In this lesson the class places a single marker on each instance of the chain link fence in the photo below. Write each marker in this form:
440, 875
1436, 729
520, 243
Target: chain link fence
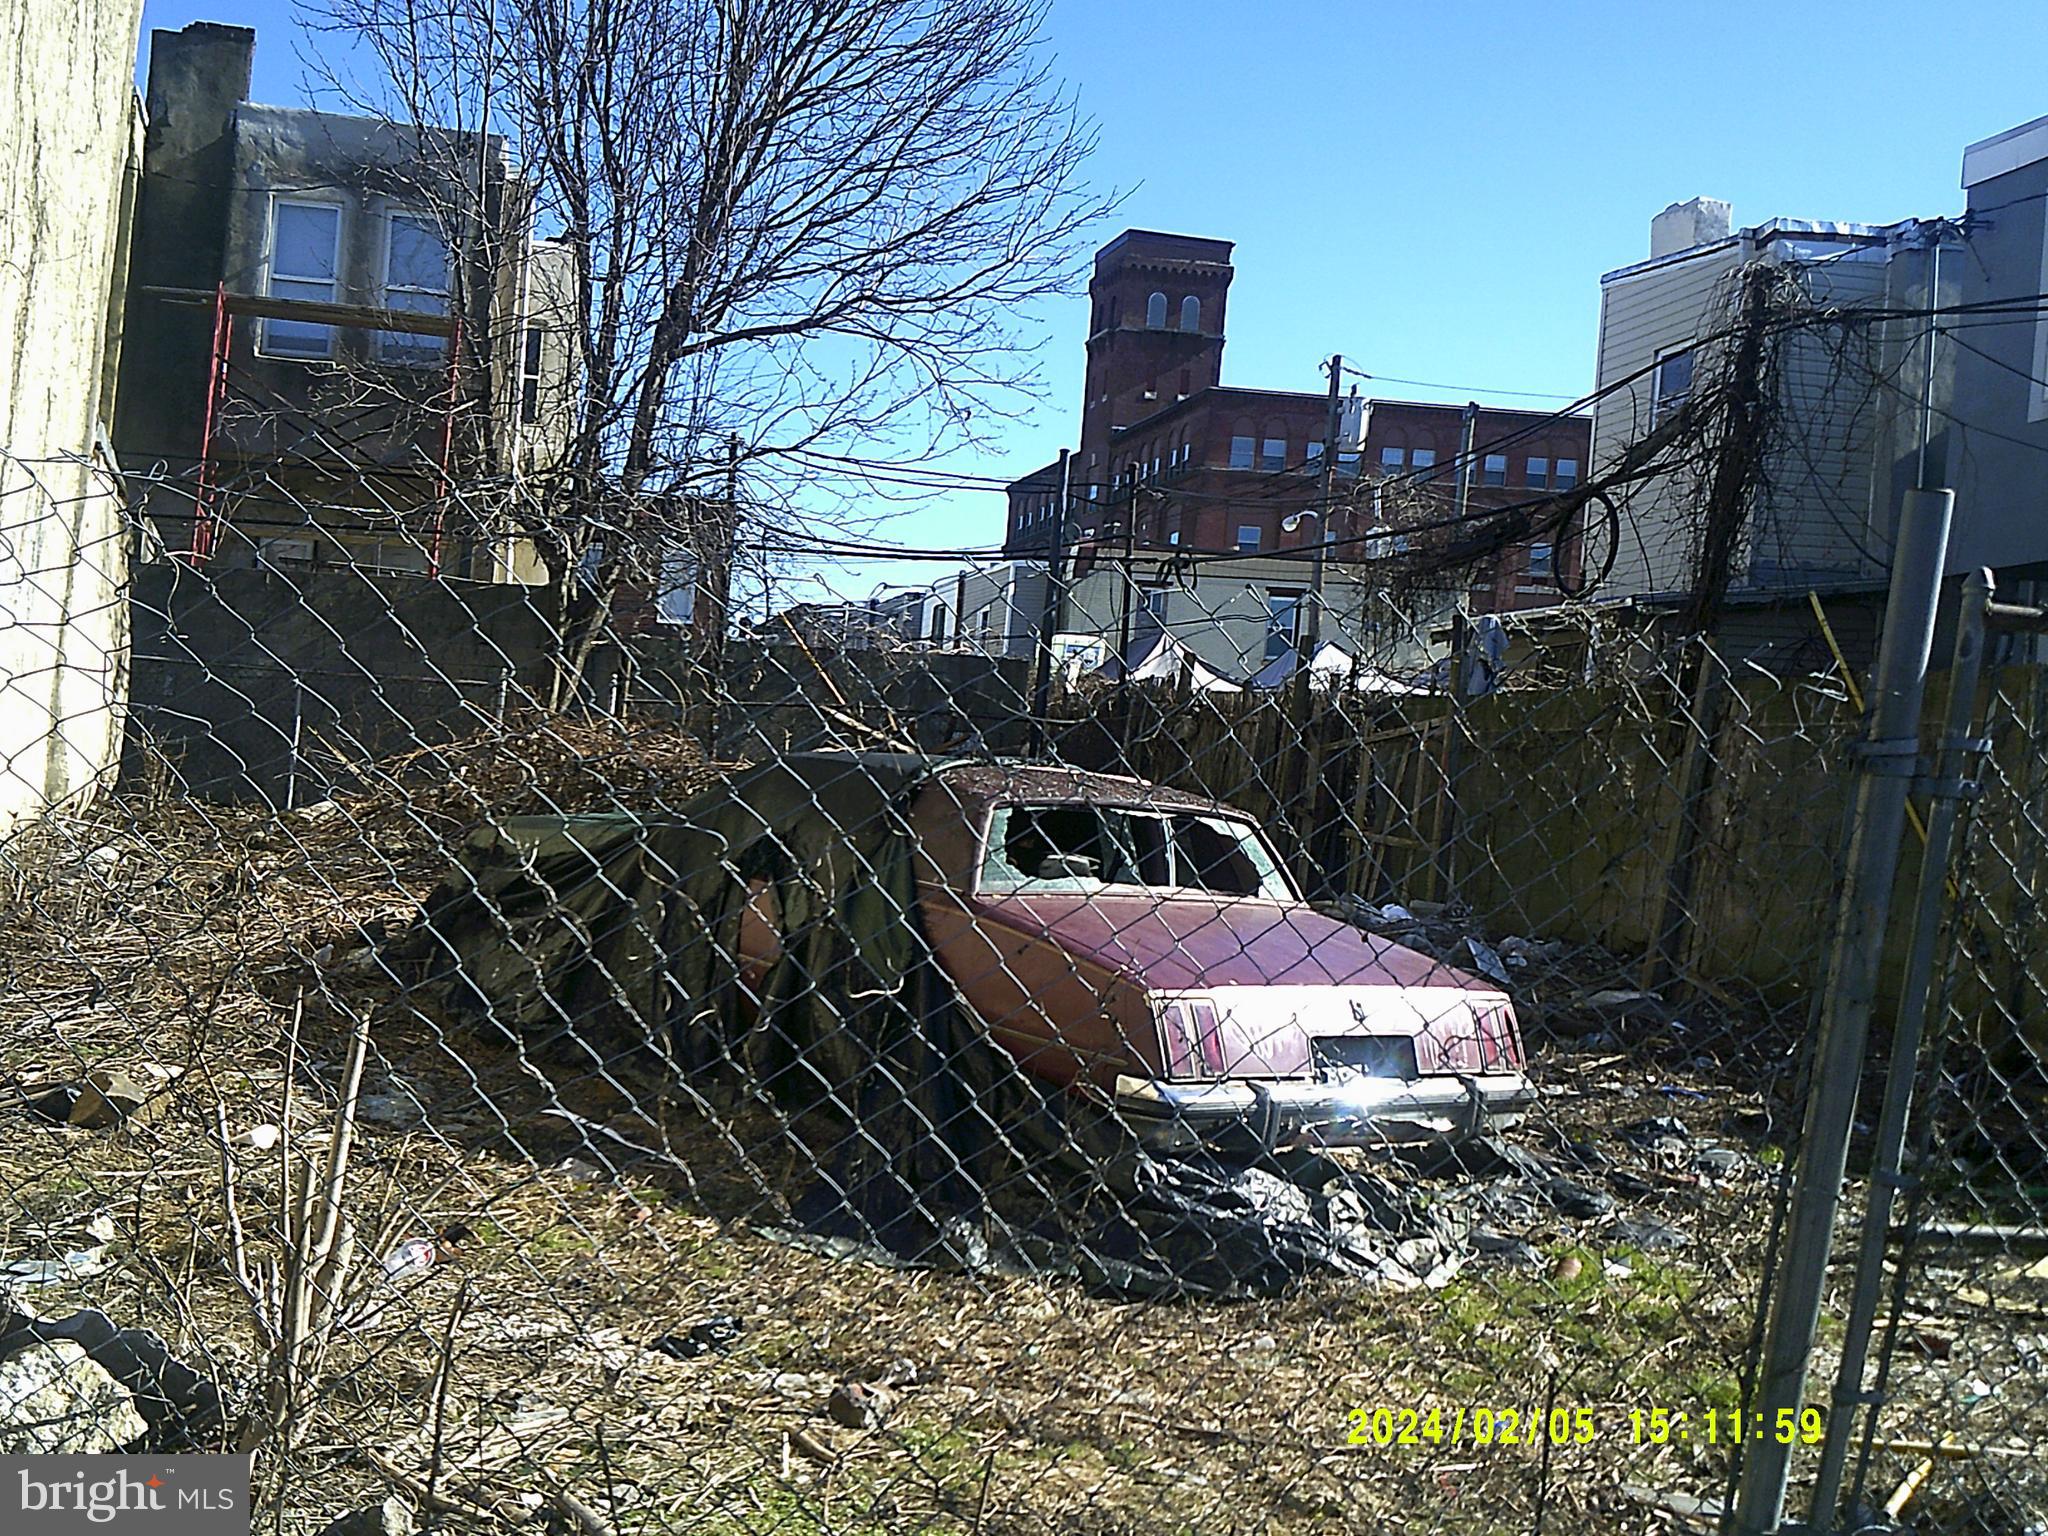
816, 1089
1953, 1340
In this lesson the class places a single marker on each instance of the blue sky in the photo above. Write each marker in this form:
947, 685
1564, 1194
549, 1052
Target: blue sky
1433, 187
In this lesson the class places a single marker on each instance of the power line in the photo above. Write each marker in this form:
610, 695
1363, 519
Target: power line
1462, 389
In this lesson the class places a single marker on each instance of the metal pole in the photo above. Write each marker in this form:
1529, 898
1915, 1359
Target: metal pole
1467, 436
1123, 622
1933, 332
1914, 996
1049, 613
1310, 636
1885, 761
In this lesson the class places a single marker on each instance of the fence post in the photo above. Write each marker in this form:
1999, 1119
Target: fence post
1915, 994
1885, 760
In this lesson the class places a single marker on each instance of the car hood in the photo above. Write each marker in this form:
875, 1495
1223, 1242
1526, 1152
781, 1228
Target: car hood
1170, 943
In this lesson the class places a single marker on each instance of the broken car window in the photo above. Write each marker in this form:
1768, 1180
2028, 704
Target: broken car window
1085, 848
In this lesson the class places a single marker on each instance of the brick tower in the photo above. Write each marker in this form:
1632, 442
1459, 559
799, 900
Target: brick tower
1155, 333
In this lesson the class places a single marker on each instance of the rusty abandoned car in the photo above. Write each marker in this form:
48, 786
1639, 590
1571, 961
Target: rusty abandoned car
1122, 942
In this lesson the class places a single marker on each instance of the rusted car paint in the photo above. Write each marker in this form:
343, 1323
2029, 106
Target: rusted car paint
1195, 1010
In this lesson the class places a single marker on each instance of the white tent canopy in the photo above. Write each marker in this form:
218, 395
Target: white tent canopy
1169, 661
1333, 667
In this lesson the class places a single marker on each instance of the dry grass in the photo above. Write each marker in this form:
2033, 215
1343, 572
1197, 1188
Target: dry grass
519, 1371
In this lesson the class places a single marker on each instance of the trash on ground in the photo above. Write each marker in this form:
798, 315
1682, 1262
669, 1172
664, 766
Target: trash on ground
79, 1264
715, 1335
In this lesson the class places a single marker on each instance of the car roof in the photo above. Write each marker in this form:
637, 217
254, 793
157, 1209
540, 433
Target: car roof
993, 779
1009, 780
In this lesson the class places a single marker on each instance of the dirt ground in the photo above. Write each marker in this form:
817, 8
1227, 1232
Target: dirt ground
586, 1213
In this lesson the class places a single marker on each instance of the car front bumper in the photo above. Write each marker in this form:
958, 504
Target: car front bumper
1329, 1111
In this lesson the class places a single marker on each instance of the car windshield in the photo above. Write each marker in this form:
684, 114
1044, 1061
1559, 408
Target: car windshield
1088, 848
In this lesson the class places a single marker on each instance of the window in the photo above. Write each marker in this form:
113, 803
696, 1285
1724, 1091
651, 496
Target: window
1247, 537
1241, 451
1155, 603
529, 376
1273, 453
305, 250
1670, 385
1283, 622
1077, 847
1393, 458
1155, 312
1312, 454
1496, 470
1347, 464
416, 281
1173, 536
1423, 458
1567, 474
1191, 313
1542, 560
1536, 474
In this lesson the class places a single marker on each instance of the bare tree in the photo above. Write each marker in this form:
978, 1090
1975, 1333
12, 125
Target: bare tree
797, 223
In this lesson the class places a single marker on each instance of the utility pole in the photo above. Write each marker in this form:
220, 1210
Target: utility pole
1123, 628
1468, 433
1049, 612
1309, 632
1123, 623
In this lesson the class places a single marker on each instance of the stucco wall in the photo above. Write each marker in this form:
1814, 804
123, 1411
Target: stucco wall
1220, 611
69, 151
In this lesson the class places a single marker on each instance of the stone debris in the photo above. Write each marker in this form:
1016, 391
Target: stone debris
180, 1408
857, 1405
133, 1094
54, 1399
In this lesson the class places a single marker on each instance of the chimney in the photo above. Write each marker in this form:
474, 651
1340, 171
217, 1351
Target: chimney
1682, 226
197, 77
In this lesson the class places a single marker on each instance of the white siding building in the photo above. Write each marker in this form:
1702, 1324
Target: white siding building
1847, 427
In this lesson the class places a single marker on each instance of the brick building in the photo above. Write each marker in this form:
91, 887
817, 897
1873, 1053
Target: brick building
1206, 467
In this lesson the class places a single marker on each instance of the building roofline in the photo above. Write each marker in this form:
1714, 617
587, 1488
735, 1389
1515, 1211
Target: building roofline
1165, 234
1296, 396
2005, 152
1764, 234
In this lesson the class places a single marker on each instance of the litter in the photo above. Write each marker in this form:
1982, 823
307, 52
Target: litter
1488, 960
81, 1264
715, 1335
